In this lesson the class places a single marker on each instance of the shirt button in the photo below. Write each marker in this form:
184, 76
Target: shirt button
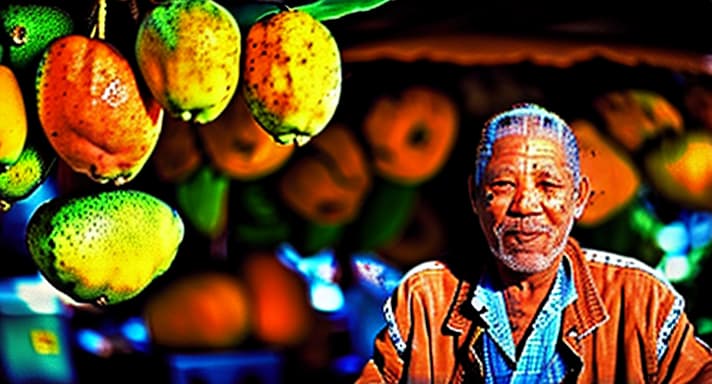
572, 333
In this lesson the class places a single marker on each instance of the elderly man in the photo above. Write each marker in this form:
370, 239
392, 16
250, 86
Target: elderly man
542, 309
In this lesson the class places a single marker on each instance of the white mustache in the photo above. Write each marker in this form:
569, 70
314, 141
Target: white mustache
526, 225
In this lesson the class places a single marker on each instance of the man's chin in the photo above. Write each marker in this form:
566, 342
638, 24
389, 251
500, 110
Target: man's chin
525, 261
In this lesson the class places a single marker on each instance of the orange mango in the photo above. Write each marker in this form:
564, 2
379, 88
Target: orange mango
239, 147
92, 112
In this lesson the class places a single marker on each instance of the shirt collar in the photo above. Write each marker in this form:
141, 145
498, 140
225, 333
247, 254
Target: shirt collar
488, 301
584, 314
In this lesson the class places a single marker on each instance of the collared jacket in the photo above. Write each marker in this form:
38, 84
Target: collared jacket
627, 326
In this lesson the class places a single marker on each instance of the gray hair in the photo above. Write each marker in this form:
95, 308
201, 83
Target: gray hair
527, 119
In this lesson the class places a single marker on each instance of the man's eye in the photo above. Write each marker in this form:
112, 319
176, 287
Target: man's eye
501, 185
549, 185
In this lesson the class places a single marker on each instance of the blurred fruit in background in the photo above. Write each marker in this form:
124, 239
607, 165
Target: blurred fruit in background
328, 183
176, 155
612, 174
239, 147
384, 214
680, 169
634, 116
203, 200
281, 312
200, 311
422, 238
411, 135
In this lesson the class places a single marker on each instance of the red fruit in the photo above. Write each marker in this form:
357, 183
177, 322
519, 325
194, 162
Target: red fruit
92, 112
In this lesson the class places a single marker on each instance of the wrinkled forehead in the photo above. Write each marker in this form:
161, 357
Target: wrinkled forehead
529, 147
527, 122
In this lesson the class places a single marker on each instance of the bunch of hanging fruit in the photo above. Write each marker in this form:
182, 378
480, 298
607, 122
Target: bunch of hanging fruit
95, 98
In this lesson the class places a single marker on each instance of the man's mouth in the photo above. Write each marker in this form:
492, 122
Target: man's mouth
525, 237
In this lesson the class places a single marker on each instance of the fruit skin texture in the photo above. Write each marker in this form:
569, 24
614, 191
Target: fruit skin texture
23, 177
106, 247
13, 129
30, 29
188, 52
292, 75
92, 112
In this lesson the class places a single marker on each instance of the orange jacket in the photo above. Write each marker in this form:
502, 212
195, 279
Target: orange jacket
627, 326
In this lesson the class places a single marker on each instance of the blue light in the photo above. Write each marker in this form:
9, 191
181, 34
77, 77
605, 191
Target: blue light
700, 224
348, 364
93, 342
673, 238
374, 274
319, 266
326, 297
135, 330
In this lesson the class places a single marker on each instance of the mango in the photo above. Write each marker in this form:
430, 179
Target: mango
29, 29
21, 179
104, 248
188, 51
239, 147
92, 111
292, 75
13, 129
177, 155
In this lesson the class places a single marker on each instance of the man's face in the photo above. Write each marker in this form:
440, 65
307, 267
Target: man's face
527, 202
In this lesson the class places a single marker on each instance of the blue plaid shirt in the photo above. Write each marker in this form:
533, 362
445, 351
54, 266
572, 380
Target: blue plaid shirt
540, 361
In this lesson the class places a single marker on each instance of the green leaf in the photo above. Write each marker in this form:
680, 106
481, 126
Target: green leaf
248, 14
203, 198
334, 9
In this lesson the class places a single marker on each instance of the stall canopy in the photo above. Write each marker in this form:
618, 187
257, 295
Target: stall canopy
674, 35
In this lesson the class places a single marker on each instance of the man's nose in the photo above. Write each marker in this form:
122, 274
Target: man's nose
526, 201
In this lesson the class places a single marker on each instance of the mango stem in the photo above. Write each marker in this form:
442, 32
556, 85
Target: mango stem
101, 21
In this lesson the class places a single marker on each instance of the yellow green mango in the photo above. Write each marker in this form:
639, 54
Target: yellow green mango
188, 51
24, 176
13, 128
106, 247
292, 75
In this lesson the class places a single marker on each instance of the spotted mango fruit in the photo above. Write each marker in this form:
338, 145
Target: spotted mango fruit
20, 179
13, 129
106, 247
292, 75
29, 29
92, 111
188, 51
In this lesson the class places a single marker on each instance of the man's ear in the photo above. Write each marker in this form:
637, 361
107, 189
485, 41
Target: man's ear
584, 192
472, 193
